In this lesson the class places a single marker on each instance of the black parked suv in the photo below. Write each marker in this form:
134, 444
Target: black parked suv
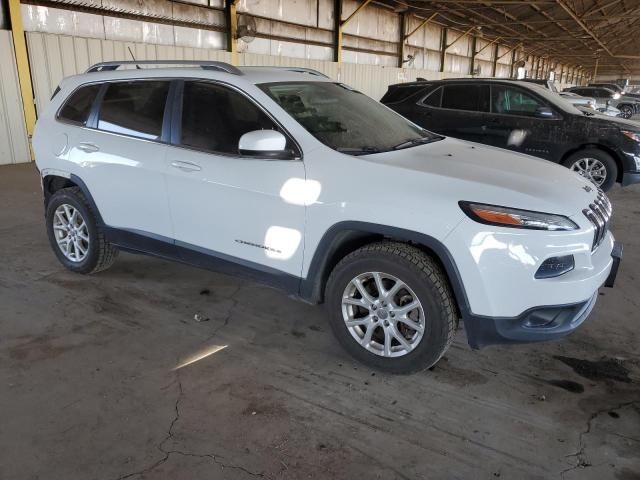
524, 118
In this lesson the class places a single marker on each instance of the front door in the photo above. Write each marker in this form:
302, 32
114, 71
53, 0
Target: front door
523, 122
244, 209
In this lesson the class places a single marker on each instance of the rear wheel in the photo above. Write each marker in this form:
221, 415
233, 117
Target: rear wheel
626, 110
595, 165
75, 237
391, 308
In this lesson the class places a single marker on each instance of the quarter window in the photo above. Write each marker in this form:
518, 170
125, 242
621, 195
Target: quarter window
214, 117
513, 101
79, 105
474, 98
134, 108
434, 99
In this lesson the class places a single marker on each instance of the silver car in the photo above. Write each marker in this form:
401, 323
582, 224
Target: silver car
578, 100
605, 97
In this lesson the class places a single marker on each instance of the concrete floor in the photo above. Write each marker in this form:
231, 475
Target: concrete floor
89, 388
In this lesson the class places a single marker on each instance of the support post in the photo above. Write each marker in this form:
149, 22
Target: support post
513, 61
494, 63
232, 29
473, 55
339, 24
595, 70
24, 72
337, 31
443, 47
401, 47
561, 73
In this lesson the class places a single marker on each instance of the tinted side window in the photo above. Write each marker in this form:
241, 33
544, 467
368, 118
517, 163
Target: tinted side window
215, 117
603, 92
434, 99
79, 105
397, 93
134, 108
473, 98
513, 101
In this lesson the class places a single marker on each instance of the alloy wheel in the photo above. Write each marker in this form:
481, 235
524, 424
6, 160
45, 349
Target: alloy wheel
71, 233
592, 169
383, 314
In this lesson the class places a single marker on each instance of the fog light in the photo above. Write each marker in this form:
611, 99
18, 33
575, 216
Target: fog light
555, 266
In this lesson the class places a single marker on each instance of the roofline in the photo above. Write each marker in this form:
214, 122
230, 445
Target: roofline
206, 65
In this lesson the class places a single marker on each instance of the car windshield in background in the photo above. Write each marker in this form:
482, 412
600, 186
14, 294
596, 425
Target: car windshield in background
344, 119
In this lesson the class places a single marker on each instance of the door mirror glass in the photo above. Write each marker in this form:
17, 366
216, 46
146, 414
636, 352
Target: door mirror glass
264, 143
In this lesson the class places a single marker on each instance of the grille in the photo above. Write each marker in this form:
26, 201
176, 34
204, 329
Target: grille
599, 214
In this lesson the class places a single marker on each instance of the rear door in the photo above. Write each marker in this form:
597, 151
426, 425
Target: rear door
120, 154
457, 110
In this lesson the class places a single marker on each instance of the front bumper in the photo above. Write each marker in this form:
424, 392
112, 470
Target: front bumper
537, 324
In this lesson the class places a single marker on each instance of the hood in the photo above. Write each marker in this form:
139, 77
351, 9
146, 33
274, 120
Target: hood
618, 122
494, 176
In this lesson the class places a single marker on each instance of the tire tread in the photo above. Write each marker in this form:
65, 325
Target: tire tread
107, 253
426, 266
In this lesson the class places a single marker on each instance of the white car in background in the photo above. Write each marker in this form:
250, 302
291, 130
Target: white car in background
578, 100
287, 177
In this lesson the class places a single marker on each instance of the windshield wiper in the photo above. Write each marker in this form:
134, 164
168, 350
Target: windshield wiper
358, 150
416, 141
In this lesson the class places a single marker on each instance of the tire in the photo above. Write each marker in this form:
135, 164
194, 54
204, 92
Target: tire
425, 283
627, 111
582, 160
99, 253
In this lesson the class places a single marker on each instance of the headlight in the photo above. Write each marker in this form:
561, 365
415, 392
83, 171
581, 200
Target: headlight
616, 96
515, 218
635, 136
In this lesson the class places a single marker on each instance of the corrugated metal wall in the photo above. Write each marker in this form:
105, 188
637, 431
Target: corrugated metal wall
14, 147
53, 57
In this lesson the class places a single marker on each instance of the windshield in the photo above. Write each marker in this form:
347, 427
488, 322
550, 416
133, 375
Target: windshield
345, 119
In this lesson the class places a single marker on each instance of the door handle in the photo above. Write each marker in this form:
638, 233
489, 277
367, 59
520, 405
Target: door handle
88, 147
186, 166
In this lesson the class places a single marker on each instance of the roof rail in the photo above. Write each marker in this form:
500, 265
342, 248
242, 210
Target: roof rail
206, 65
310, 71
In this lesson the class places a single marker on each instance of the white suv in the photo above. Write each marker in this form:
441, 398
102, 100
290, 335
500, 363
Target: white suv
298, 181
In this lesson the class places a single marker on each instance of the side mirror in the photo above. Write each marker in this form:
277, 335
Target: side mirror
264, 143
544, 112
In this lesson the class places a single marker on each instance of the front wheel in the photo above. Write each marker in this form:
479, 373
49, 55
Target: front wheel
390, 306
595, 165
